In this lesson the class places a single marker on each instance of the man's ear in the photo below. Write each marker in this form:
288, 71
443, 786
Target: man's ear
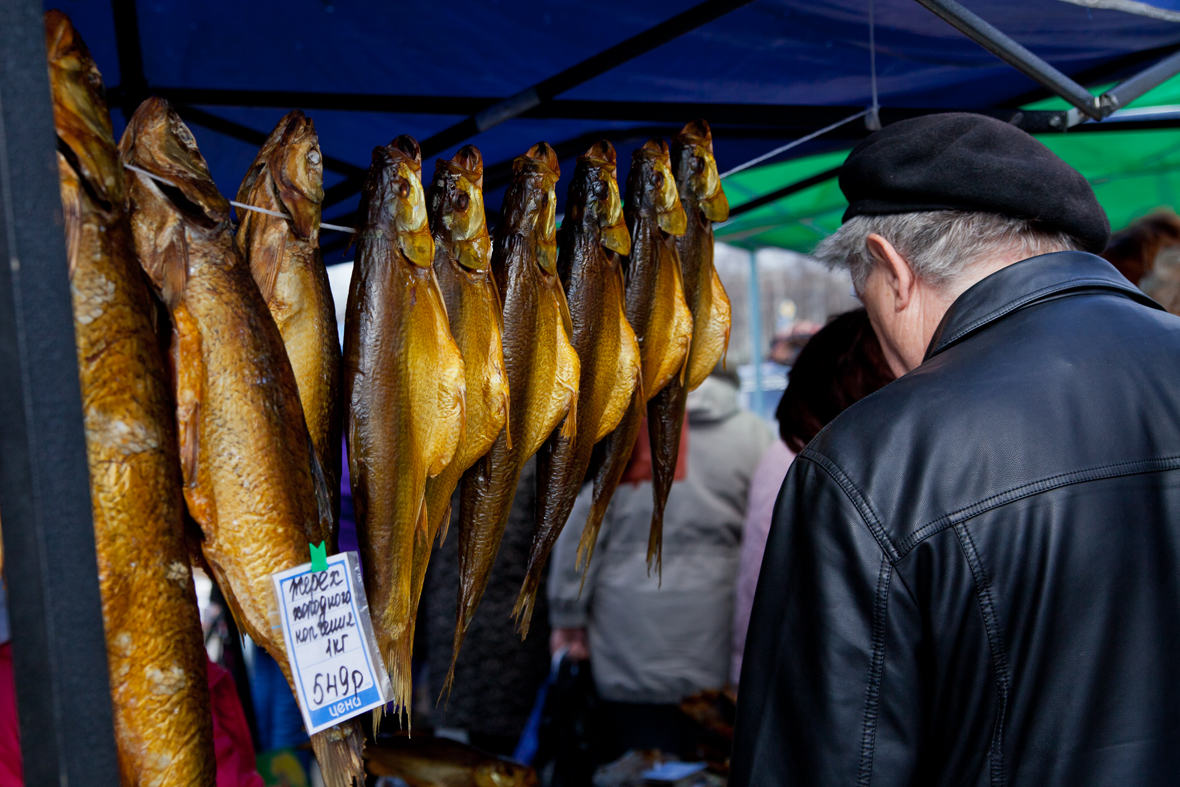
895, 269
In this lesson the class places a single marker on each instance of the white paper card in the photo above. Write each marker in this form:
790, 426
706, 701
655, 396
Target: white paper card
330, 644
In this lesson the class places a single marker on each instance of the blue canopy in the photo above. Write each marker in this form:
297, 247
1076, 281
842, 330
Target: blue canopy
458, 57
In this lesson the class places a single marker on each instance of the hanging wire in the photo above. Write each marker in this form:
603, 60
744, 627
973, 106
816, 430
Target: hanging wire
795, 143
873, 119
236, 204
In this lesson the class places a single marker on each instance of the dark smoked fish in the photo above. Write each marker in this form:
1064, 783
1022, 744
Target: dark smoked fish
155, 652
245, 455
593, 234
656, 311
541, 364
284, 256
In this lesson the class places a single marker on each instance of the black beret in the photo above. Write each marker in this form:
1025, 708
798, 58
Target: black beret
961, 161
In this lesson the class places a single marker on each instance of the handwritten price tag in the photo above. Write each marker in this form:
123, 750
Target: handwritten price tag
330, 644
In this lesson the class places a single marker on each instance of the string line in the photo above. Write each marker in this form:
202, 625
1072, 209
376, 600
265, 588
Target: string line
795, 143
235, 203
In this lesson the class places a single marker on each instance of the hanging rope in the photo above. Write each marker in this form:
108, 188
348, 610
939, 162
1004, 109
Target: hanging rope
236, 204
795, 143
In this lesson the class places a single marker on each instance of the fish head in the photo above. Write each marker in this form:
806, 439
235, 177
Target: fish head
158, 141
297, 169
696, 170
80, 110
594, 197
393, 205
531, 201
455, 206
651, 188
502, 773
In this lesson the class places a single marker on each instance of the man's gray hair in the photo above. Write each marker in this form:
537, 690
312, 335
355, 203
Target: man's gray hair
940, 245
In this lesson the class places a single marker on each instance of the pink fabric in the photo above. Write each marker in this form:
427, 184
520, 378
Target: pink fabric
10, 765
764, 489
231, 733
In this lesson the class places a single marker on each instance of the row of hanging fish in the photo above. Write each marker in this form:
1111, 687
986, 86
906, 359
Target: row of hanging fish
464, 355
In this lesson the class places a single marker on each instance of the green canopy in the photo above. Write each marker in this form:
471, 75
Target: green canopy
1133, 173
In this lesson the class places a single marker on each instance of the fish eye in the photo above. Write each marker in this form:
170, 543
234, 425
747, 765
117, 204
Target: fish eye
698, 164
403, 189
657, 179
313, 156
600, 189
462, 201
545, 200
184, 135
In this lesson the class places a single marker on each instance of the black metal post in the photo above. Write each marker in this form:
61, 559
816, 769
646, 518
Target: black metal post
1015, 55
1127, 91
59, 653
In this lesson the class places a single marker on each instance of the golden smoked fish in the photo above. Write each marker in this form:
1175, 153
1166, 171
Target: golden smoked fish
704, 202
542, 367
245, 454
404, 388
656, 311
284, 256
593, 234
462, 265
155, 651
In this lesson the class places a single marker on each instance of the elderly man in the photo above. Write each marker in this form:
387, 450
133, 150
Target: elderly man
973, 576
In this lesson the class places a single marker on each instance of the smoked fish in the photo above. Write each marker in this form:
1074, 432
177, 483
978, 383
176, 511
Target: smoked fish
462, 265
439, 762
284, 256
704, 202
657, 311
593, 234
542, 367
245, 455
155, 651
404, 388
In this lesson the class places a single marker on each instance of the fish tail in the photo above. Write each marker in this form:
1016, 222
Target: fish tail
523, 611
569, 428
340, 753
665, 422
445, 526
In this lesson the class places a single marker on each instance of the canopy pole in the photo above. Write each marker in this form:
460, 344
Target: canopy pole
1130, 89
58, 648
756, 333
1015, 55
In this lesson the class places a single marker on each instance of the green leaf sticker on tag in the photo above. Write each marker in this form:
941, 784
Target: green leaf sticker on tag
319, 557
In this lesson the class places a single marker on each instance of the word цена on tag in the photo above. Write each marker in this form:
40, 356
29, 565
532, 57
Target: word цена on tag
330, 644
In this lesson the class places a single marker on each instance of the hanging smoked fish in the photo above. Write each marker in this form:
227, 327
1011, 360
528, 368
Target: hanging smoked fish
155, 652
462, 265
283, 253
541, 364
657, 312
404, 389
704, 202
593, 234
245, 455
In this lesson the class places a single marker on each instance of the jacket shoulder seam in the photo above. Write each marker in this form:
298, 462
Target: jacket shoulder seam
1039, 486
858, 500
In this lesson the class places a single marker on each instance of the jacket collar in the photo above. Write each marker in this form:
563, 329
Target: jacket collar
1025, 283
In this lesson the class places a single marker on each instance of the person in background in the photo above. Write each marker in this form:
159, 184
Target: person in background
1133, 251
652, 640
840, 365
11, 773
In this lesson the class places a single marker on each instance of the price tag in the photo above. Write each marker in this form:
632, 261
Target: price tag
333, 654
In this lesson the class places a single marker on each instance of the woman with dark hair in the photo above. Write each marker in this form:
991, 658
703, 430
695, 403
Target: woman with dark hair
840, 365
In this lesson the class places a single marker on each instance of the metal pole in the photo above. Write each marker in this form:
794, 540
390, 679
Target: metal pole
756, 333
1015, 55
1124, 93
59, 652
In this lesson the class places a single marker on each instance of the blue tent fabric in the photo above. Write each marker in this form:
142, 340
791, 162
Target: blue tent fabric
791, 52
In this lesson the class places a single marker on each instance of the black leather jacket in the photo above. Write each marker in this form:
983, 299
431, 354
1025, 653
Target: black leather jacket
973, 575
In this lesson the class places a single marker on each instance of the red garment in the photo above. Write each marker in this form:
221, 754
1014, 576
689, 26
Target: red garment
231, 733
10, 766
639, 466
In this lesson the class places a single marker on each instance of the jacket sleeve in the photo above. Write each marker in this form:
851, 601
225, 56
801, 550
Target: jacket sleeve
809, 700
569, 600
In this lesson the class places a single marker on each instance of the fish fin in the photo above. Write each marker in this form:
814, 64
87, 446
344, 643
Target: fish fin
71, 205
323, 499
265, 261
446, 524
340, 753
507, 430
569, 428
523, 611
188, 367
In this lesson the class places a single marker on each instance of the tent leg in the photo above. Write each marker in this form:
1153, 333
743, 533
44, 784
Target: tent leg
756, 400
59, 652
